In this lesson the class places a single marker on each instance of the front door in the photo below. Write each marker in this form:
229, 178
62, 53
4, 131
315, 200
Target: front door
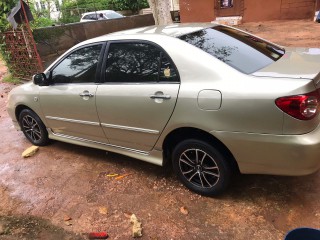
68, 104
227, 8
138, 96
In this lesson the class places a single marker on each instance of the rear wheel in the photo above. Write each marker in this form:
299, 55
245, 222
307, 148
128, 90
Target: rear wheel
33, 128
201, 167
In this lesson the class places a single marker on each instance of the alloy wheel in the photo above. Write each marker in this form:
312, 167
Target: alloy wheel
199, 168
31, 128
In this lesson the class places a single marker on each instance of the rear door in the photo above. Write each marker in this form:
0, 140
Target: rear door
138, 94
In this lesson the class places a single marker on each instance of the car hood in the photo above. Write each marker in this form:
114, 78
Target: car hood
301, 63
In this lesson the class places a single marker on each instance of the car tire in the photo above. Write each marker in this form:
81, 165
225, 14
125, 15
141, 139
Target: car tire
201, 167
33, 128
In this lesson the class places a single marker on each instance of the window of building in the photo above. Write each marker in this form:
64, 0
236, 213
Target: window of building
43, 5
226, 3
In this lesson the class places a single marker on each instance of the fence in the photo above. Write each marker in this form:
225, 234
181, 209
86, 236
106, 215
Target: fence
20, 48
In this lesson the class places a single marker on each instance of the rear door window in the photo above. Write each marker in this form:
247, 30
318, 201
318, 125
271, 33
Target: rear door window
239, 50
139, 63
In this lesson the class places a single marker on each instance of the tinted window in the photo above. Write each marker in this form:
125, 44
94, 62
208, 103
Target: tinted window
167, 70
237, 49
78, 67
91, 16
94, 16
138, 62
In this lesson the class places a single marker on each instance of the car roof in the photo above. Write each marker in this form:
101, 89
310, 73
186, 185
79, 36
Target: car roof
173, 30
155, 33
100, 11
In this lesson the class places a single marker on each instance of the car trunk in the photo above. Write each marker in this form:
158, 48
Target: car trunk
298, 63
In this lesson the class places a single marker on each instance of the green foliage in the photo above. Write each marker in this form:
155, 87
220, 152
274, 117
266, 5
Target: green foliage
133, 5
41, 18
41, 22
5, 7
10, 79
47, 35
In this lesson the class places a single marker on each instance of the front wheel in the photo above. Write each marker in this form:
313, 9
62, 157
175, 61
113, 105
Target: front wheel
33, 128
201, 167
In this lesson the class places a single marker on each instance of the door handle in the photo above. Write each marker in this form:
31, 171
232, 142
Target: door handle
86, 94
156, 96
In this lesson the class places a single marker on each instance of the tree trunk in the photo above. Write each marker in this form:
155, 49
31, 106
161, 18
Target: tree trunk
161, 11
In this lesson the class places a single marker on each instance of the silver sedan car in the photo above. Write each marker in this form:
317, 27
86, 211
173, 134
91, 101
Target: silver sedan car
209, 99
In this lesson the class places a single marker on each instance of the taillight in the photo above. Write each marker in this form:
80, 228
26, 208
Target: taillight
303, 107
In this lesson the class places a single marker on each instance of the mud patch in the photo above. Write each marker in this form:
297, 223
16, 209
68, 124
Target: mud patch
31, 228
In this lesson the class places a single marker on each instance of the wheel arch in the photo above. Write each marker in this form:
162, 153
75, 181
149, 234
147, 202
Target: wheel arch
180, 134
19, 109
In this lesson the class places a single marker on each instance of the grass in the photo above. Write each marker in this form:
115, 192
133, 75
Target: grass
8, 76
10, 79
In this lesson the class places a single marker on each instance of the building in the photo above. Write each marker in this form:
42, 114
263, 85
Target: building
246, 10
53, 6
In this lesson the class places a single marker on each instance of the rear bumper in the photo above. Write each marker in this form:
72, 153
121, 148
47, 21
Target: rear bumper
292, 155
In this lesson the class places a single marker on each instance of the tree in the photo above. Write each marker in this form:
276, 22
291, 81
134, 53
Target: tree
41, 18
161, 11
133, 5
5, 7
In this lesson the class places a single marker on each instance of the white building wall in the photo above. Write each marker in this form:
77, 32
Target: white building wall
50, 5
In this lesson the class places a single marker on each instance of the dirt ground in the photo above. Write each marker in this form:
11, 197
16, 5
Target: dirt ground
63, 181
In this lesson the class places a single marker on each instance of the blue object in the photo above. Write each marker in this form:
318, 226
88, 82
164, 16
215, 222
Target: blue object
303, 234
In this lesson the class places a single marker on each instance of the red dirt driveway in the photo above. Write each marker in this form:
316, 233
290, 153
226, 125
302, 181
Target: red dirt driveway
64, 181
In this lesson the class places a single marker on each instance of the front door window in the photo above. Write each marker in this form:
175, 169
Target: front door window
79, 67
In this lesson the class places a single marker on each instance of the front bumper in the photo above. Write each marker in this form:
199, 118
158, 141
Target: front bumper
291, 155
11, 111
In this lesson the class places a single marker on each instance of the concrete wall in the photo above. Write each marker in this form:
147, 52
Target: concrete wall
197, 11
53, 41
253, 10
259, 10
297, 9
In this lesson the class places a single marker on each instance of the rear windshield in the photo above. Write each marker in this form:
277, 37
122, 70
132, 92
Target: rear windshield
239, 50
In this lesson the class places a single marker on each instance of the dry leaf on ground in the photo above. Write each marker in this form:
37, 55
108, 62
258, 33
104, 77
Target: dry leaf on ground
103, 210
184, 210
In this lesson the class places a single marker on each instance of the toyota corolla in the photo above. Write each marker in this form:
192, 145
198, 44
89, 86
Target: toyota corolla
210, 99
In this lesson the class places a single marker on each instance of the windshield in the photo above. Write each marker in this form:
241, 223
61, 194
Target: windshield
239, 50
111, 15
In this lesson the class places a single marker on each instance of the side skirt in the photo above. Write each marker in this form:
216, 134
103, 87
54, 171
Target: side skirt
154, 156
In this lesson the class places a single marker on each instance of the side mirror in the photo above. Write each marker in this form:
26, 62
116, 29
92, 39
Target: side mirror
40, 79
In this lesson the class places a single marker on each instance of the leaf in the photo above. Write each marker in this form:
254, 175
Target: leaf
68, 223
184, 210
112, 175
103, 210
127, 214
67, 218
122, 176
